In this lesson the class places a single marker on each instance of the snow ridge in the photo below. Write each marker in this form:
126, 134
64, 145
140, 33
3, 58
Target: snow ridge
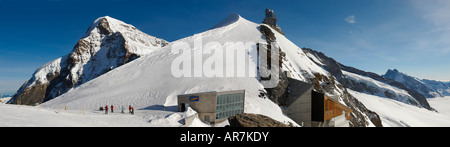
147, 82
232, 18
428, 88
154, 85
108, 44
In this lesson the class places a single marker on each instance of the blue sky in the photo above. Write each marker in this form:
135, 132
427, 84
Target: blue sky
373, 35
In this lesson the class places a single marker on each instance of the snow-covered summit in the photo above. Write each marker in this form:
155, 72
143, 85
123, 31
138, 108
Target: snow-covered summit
232, 18
148, 81
428, 88
154, 85
142, 43
99, 70
108, 44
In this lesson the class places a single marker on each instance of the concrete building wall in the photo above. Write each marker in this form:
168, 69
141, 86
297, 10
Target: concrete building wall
299, 102
206, 104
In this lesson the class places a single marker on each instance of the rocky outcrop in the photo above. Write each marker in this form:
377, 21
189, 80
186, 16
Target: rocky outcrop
359, 110
428, 88
322, 83
254, 120
277, 94
108, 44
335, 68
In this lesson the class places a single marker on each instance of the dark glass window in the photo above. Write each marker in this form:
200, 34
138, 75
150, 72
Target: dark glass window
229, 105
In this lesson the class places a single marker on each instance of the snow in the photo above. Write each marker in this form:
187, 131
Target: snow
30, 116
147, 83
232, 18
313, 57
428, 88
139, 40
401, 95
301, 67
37, 116
3, 100
196, 122
51, 67
441, 104
392, 114
103, 53
398, 114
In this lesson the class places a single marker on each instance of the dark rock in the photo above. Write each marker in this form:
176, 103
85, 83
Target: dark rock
96, 56
335, 68
359, 110
254, 120
270, 36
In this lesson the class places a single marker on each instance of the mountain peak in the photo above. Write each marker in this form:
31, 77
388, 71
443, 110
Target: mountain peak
230, 19
107, 25
392, 71
394, 74
428, 88
107, 44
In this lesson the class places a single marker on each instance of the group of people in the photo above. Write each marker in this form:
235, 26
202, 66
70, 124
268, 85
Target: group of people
106, 108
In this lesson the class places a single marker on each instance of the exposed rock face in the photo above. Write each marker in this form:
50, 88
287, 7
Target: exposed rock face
108, 44
322, 83
357, 119
336, 69
359, 110
254, 120
277, 94
428, 88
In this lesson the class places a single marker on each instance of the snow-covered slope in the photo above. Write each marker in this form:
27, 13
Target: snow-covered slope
108, 44
382, 89
28, 116
35, 116
393, 114
147, 82
398, 114
368, 82
428, 88
4, 100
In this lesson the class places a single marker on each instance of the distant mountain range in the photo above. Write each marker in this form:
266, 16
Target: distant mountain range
367, 82
6, 95
428, 88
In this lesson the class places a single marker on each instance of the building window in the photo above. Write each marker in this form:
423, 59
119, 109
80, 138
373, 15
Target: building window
229, 105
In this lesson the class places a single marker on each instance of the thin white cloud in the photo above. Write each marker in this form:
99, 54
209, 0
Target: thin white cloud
435, 11
350, 19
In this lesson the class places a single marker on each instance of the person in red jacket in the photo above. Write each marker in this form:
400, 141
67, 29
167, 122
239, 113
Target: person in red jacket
112, 109
129, 108
106, 109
